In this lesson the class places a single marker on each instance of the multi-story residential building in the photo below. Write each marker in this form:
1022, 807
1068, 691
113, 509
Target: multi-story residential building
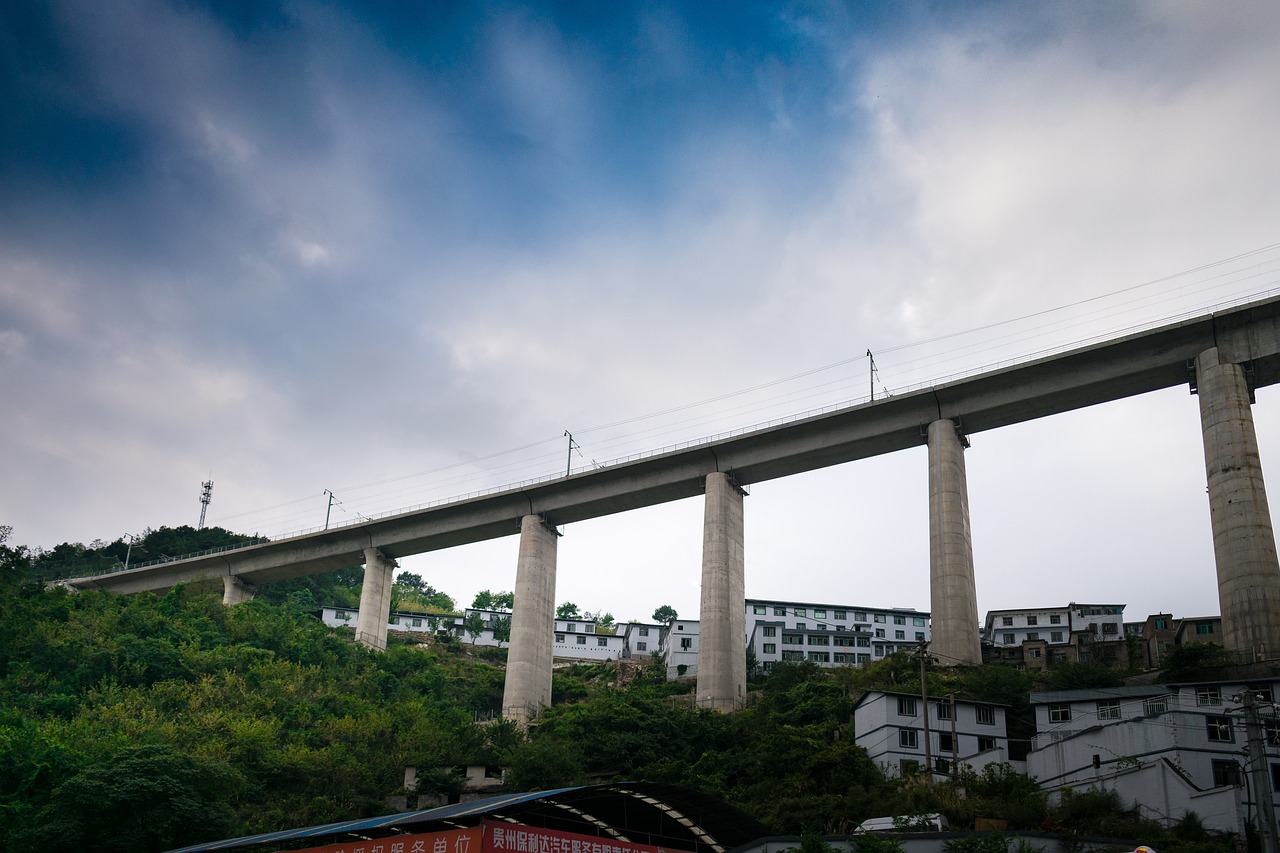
1199, 629
682, 648
892, 729
830, 634
1186, 740
1157, 635
1038, 637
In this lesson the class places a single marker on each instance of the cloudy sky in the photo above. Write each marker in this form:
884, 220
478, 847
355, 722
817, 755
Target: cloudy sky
396, 253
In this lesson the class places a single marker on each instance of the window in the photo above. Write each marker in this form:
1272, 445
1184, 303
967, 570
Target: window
1055, 636
759, 609
906, 706
1262, 692
800, 611
899, 635
859, 616
908, 738
1219, 729
863, 642
1226, 773
842, 641
1110, 628
1006, 621
559, 638
602, 641
679, 627
820, 657
1033, 620
877, 617
1208, 696
907, 767
1155, 705
1275, 777
917, 621
986, 715
818, 640
1055, 619
769, 631
1272, 732
642, 646
899, 620
800, 626
819, 614
840, 615
793, 639
1108, 709
878, 651
1161, 624
1204, 627
944, 710
770, 648
779, 611
1034, 653
880, 633
570, 627
986, 743
1008, 639
821, 627
1060, 712
417, 623
842, 658
944, 741
864, 658
792, 655
344, 616
582, 640
1033, 635
686, 643
919, 636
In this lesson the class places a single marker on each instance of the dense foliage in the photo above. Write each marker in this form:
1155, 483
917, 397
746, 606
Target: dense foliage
148, 722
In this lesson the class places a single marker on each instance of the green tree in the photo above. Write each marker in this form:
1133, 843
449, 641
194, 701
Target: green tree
665, 615
502, 629
486, 600
568, 610
474, 626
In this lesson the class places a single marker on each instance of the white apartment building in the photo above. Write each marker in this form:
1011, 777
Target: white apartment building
1054, 625
891, 727
575, 639
830, 634
682, 648
1169, 747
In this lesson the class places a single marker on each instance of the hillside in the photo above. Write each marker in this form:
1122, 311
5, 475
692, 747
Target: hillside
147, 722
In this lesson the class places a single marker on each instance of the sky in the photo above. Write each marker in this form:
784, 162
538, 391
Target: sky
396, 252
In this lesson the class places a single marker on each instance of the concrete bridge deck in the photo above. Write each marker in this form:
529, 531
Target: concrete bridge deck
1124, 367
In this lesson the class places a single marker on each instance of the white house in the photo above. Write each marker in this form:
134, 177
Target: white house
830, 634
891, 727
682, 648
1198, 730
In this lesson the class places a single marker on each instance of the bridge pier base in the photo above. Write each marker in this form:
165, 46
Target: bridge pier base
1244, 543
528, 686
375, 600
722, 653
953, 595
235, 590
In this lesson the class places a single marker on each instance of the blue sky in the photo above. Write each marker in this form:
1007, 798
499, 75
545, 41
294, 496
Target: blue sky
396, 252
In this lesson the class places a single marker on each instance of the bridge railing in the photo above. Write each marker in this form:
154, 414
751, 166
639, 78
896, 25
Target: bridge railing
734, 433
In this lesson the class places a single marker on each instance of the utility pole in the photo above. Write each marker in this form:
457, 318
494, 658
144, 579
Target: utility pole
332, 500
573, 445
206, 495
955, 770
1259, 772
871, 375
922, 652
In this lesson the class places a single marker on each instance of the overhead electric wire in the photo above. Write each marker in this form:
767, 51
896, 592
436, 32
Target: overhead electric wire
537, 466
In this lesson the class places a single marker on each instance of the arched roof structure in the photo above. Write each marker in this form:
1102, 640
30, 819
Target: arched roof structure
642, 813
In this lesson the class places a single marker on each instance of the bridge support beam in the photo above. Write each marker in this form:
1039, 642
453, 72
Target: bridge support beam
528, 685
953, 595
1244, 543
375, 600
722, 650
235, 590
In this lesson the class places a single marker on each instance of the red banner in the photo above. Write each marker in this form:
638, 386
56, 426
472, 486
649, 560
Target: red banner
450, 841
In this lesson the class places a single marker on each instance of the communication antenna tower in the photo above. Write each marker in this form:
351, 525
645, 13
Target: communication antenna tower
206, 495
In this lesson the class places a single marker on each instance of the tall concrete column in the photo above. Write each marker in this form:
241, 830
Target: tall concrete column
375, 600
1244, 544
722, 631
235, 590
528, 686
953, 595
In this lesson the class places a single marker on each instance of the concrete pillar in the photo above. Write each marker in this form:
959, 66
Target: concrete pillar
528, 685
722, 644
235, 590
375, 600
1244, 544
953, 596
